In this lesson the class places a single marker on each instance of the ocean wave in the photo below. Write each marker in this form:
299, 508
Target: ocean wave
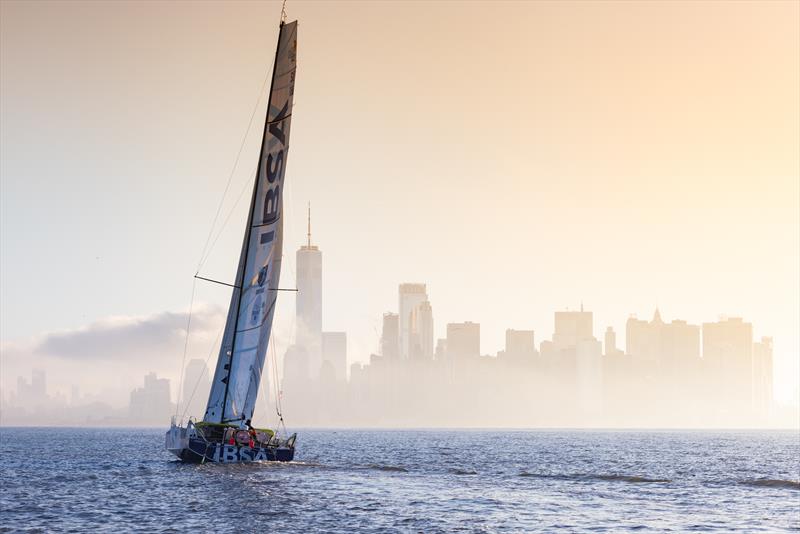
772, 483
304, 464
629, 478
593, 476
389, 468
455, 471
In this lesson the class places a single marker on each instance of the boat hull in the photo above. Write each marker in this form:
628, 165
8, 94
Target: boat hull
200, 451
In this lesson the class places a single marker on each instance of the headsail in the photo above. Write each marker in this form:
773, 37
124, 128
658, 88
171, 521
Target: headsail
244, 343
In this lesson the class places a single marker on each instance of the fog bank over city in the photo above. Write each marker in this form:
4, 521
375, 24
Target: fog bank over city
656, 374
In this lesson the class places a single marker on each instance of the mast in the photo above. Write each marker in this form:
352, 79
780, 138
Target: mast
249, 230
243, 349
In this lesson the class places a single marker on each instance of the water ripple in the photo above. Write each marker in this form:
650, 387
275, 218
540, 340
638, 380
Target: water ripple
408, 481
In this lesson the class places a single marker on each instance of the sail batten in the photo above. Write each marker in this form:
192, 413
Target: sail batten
249, 322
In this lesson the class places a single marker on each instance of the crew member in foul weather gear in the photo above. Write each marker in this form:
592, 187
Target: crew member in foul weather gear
228, 437
252, 432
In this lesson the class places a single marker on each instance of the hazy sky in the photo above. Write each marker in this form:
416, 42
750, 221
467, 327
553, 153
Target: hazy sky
517, 157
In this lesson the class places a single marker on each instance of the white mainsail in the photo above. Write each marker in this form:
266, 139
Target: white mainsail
244, 343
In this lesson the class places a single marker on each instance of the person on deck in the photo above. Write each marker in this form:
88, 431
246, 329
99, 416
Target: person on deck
252, 432
228, 436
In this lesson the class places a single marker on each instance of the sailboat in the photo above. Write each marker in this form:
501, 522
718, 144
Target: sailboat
225, 434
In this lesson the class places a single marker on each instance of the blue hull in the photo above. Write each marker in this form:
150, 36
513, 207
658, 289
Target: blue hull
201, 451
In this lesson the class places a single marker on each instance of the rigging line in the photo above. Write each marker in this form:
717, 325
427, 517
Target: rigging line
225, 223
185, 347
233, 170
278, 387
277, 382
278, 403
216, 282
197, 383
259, 380
275, 374
288, 230
237, 287
237, 299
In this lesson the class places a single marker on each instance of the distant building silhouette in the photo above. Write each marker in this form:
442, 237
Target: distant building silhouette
410, 297
520, 346
390, 336
728, 353
463, 341
420, 336
610, 342
196, 387
309, 302
334, 351
440, 353
670, 348
32, 396
661, 379
570, 328
151, 404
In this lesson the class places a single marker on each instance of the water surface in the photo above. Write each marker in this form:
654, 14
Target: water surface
104, 480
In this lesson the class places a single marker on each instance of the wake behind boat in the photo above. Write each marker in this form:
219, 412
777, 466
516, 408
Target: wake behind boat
225, 434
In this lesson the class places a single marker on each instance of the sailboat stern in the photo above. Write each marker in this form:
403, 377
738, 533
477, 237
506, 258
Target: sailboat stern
195, 445
177, 439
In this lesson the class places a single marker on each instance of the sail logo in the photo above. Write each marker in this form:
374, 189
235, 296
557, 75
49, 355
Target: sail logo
259, 304
230, 454
275, 166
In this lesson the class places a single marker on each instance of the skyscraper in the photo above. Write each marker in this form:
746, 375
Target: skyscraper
309, 301
520, 345
334, 350
570, 328
728, 353
196, 386
463, 340
421, 332
610, 342
390, 336
151, 403
410, 297
680, 348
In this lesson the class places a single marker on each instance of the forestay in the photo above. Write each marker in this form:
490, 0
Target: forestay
247, 330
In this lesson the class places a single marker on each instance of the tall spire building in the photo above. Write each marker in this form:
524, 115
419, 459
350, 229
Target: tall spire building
309, 301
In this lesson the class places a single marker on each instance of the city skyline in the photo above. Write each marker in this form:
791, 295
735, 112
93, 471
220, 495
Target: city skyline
640, 156
667, 379
714, 369
670, 374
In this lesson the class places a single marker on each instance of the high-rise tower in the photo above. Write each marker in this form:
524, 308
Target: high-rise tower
309, 301
411, 297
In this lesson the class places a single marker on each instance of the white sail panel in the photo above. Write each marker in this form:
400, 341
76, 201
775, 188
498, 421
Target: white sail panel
244, 345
